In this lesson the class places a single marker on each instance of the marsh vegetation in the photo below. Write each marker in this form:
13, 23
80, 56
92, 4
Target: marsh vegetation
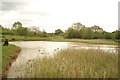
72, 63
46, 59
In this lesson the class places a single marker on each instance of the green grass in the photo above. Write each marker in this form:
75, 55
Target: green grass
72, 63
9, 53
61, 39
24, 38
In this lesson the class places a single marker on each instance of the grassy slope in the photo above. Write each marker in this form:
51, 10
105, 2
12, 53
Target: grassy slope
9, 53
73, 63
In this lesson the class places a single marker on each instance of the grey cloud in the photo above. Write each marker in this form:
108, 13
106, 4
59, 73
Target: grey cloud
8, 6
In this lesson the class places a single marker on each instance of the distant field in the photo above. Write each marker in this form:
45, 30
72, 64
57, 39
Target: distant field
75, 64
91, 41
61, 39
9, 54
25, 38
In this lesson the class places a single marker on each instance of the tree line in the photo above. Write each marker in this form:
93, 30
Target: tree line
95, 32
77, 30
18, 29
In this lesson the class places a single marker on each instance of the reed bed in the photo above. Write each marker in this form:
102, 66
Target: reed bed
73, 63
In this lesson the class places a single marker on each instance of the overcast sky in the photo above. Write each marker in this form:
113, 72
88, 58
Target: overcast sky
60, 14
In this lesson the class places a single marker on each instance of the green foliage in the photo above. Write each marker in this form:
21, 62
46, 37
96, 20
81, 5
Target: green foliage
108, 35
43, 34
22, 31
18, 29
71, 33
6, 31
117, 34
25, 38
77, 30
95, 32
16, 25
96, 28
98, 35
88, 33
77, 26
58, 31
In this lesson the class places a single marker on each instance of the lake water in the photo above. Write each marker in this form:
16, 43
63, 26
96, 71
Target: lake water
31, 50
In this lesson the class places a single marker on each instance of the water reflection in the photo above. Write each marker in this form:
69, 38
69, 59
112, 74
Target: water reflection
106, 48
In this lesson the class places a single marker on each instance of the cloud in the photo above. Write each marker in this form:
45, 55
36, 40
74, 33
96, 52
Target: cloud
8, 6
53, 14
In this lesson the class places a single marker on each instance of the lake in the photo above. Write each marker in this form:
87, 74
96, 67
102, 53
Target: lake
31, 50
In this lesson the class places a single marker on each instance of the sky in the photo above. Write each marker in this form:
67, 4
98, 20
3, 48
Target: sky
50, 15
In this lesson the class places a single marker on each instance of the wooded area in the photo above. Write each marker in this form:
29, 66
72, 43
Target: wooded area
77, 30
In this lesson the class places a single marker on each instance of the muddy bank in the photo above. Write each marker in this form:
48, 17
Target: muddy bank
12, 58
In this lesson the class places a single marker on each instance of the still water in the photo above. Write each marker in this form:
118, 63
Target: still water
31, 50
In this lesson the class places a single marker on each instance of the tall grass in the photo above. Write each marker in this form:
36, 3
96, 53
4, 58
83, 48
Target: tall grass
72, 63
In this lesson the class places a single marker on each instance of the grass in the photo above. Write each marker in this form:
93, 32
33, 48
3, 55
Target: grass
9, 54
90, 41
24, 38
72, 63
61, 39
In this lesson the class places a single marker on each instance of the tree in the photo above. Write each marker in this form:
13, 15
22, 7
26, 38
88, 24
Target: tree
96, 28
6, 31
71, 33
108, 35
22, 31
77, 26
117, 34
58, 31
16, 25
44, 34
98, 32
1, 28
88, 33
82, 32
35, 30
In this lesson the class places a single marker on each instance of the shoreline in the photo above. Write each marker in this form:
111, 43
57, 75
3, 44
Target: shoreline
92, 41
10, 61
